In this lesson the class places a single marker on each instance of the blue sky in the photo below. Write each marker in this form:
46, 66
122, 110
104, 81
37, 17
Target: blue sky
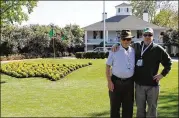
61, 13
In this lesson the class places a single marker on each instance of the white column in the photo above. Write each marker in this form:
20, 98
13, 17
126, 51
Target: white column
146, 17
107, 36
104, 27
85, 41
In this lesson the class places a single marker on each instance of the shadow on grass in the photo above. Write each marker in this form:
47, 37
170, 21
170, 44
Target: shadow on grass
3, 82
98, 114
168, 105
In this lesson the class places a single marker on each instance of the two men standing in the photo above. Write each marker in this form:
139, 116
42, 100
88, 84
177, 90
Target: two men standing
148, 56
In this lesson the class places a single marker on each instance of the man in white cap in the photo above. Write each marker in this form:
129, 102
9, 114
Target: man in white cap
148, 56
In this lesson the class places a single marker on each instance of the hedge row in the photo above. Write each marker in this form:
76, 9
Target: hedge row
18, 57
31, 56
92, 55
46, 70
12, 57
101, 55
174, 55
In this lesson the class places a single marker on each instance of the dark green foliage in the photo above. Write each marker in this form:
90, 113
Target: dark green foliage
177, 54
92, 55
34, 40
79, 55
90, 63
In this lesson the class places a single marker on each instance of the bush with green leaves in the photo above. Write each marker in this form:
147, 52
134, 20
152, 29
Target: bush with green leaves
35, 40
12, 57
79, 54
92, 55
46, 70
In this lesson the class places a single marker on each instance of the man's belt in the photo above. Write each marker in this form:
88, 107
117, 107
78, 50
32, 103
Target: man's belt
121, 79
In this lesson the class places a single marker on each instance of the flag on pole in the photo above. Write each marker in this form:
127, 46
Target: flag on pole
51, 33
63, 36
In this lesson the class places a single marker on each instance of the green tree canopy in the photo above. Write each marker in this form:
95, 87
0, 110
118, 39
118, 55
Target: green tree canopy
14, 10
74, 34
140, 6
167, 17
150, 6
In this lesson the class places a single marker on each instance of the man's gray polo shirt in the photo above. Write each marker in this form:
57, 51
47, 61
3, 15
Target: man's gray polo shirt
122, 62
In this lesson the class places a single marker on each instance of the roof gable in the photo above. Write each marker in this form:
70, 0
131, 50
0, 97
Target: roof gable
117, 18
129, 22
123, 5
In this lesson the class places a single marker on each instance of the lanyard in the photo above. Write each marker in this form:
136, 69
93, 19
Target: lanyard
142, 51
129, 63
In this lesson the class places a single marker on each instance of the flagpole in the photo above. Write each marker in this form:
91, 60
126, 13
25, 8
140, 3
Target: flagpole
104, 24
53, 41
54, 47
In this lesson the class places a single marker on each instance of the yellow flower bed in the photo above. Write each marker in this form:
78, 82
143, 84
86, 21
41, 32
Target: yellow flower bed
46, 70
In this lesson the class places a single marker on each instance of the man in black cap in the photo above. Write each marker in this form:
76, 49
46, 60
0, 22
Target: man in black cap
120, 83
148, 56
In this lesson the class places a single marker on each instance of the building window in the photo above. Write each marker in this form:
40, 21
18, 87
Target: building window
139, 33
118, 9
97, 34
127, 9
118, 36
94, 34
101, 34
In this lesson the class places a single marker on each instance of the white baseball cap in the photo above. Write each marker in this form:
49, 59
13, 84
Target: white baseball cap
148, 29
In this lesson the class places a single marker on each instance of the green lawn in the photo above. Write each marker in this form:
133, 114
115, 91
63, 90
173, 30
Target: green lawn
83, 93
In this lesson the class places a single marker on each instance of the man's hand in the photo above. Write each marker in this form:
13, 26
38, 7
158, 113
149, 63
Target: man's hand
158, 77
110, 86
115, 48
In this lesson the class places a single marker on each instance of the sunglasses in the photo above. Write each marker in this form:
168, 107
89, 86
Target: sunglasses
145, 35
128, 39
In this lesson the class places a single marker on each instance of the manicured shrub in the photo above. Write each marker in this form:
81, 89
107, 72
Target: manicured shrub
172, 55
51, 71
79, 55
12, 57
92, 55
90, 63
